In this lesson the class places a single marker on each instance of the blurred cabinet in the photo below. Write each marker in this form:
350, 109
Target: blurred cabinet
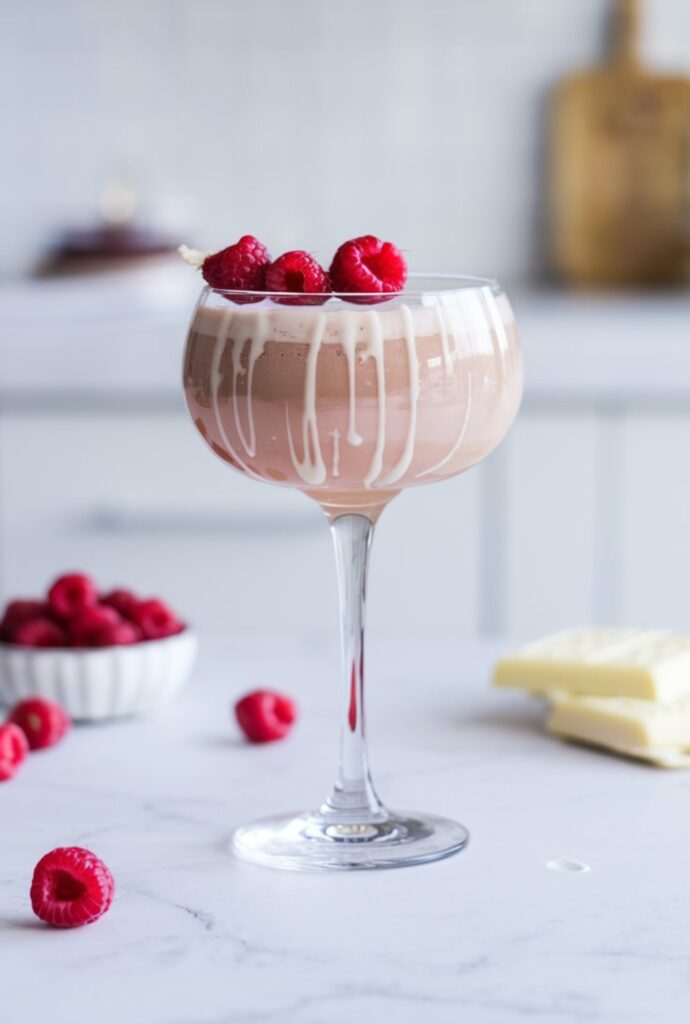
426, 560
580, 516
551, 498
138, 499
655, 538
599, 519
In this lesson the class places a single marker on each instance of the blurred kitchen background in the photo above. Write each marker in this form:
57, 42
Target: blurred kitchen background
443, 125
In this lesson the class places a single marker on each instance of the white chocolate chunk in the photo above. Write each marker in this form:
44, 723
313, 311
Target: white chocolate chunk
194, 257
638, 728
652, 665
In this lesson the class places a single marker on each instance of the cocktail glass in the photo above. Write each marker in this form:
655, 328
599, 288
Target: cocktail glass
352, 399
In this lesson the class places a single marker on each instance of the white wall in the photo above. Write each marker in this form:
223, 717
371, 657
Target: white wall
305, 121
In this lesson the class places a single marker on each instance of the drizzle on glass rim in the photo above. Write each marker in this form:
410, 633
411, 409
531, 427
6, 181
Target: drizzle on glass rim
429, 285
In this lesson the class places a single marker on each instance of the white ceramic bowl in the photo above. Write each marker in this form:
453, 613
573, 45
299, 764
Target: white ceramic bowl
106, 682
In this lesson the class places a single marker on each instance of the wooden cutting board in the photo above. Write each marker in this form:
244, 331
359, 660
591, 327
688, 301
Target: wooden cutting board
620, 169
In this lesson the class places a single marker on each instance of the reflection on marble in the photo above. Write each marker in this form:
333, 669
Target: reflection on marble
491, 936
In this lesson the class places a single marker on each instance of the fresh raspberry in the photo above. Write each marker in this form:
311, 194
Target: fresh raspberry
14, 747
86, 625
39, 632
71, 886
20, 611
43, 722
155, 619
367, 264
71, 594
297, 271
102, 626
264, 716
115, 634
240, 267
123, 601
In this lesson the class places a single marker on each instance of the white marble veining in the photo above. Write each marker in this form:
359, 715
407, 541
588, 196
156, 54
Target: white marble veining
492, 936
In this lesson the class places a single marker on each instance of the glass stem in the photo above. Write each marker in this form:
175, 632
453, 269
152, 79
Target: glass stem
353, 798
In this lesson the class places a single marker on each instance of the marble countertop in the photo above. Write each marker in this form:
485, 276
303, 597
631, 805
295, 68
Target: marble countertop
491, 936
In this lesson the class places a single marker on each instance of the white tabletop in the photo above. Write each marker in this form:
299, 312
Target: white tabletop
490, 936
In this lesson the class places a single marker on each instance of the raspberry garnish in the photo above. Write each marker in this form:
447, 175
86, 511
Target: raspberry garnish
39, 632
264, 715
20, 611
71, 594
239, 267
367, 264
43, 722
14, 747
297, 271
71, 886
123, 601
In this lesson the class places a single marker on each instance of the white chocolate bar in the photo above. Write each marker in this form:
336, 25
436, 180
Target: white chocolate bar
639, 728
651, 665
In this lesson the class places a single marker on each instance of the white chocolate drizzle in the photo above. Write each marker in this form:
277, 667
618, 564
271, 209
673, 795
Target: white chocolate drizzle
311, 469
443, 332
375, 351
257, 344
335, 434
485, 338
349, 343
216, 377
460, 437
403, 463
499, 342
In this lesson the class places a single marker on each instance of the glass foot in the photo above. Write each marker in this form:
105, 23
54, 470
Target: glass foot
317, 842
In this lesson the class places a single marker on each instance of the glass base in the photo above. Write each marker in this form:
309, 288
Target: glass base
317, 842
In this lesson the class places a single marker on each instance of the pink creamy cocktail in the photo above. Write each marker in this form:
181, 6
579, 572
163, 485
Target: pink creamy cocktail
353, 403
351, 398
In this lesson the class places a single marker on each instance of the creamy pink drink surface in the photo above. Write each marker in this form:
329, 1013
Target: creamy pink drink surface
355, 403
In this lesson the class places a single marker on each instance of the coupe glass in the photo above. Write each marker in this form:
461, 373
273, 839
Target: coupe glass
351, 400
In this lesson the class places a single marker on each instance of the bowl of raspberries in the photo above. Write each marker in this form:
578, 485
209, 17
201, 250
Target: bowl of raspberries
99, 654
